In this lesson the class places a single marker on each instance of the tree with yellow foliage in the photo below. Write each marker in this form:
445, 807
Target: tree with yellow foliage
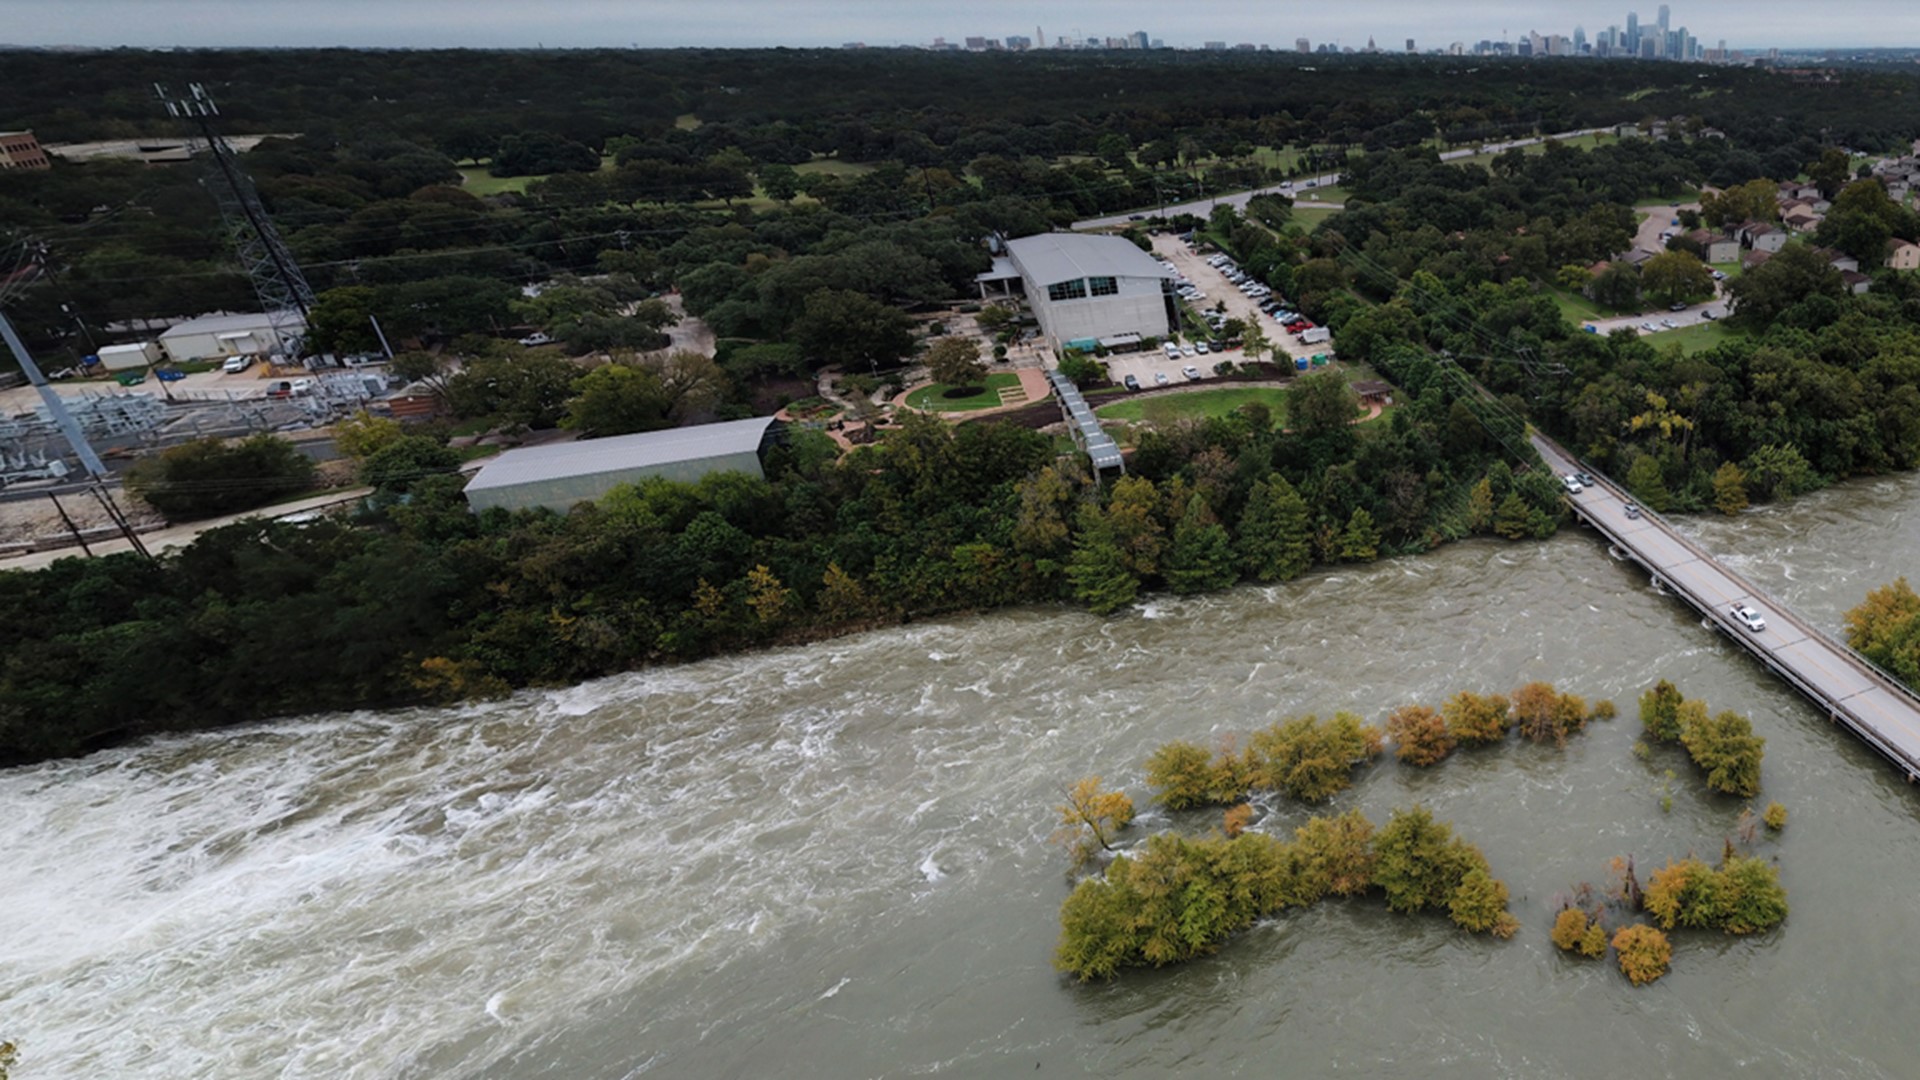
1091, 817
1643, 951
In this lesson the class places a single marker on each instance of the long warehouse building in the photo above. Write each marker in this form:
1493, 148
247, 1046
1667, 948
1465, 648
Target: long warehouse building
562, 474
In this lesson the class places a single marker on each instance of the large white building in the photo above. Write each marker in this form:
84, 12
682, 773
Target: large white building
1088, 290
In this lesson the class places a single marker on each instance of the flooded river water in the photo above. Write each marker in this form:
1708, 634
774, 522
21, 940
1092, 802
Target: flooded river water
833, 860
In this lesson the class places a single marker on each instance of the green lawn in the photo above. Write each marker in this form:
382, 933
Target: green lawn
480, 182
834, 167
686, 122
477, 180
1309, 217
1579, 309
1693, 339
932, 397
1330, 193
1198, 403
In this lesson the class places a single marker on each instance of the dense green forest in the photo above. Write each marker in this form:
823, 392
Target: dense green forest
801, 202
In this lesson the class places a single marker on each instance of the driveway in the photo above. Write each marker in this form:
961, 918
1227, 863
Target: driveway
1659, 219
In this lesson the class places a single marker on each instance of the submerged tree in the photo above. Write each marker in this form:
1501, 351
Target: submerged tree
1091, 818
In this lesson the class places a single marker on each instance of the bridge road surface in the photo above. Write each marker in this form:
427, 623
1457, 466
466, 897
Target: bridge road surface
1873, 705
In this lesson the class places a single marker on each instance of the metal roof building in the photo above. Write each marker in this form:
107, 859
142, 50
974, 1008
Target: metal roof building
212, 337
1087, 288
559, 475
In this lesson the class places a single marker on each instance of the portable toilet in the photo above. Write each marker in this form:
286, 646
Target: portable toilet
1319, 359
1300, 363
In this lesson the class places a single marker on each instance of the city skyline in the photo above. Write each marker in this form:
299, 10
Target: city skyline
806, 23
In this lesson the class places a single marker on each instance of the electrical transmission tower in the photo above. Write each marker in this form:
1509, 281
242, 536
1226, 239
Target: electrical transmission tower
284, 293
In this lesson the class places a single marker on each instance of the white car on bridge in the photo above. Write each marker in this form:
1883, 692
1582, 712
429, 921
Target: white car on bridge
1749, 618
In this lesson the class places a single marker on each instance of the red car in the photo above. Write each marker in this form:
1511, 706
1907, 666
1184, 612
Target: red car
1298, 325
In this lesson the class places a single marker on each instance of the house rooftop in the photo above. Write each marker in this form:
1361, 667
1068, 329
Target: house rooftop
587, 457
1049, 258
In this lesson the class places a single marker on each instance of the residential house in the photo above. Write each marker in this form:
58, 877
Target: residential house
1754, 258
1839, 260
1795, 190
1762, 237
1715, 247
1799, 220
1903, 255
1856, 282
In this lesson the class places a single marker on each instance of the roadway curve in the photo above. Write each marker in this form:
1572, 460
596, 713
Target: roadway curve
1238, 200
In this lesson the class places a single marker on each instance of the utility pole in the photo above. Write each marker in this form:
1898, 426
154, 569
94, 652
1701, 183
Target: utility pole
284, 294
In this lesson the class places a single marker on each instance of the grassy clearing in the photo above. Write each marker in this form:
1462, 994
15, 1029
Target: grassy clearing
1309, 217
478, 181
1197, 404
1579, 309
1693, 339
686, 122
932, 398
834, 167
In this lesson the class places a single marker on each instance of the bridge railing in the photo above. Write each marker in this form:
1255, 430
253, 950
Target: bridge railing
1860, 725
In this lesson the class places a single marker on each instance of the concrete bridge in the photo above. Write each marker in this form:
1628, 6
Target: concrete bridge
1851, 691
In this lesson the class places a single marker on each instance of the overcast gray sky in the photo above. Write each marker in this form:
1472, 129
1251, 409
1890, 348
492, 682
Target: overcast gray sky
575, 23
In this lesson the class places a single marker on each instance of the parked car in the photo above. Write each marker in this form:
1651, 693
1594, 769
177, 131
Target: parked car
279, 389
169, 375
1132, 383
536, 338
1160, 378
1649, 328
1676, 307
1200, 347
1669, 324
300, 387
1709, 315
1192, 373
1186, 349
236, 364
1749, 618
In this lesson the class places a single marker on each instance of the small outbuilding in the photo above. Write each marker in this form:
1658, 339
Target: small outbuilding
562, 474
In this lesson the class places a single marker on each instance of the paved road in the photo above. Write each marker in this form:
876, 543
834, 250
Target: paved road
1852, 692
1300, 188
177, 536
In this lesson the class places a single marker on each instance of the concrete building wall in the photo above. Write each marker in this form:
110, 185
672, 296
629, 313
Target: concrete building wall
214, 346
561, 493
1138, 307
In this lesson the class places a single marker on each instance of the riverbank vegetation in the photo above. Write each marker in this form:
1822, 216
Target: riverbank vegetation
1178, 898
419, 600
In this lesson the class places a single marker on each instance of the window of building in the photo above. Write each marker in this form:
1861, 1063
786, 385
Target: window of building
1104, 286
1067, 290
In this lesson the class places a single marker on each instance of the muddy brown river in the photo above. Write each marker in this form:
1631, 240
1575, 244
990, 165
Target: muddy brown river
833, 861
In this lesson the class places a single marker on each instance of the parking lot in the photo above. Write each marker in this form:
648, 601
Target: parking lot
1218, 289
